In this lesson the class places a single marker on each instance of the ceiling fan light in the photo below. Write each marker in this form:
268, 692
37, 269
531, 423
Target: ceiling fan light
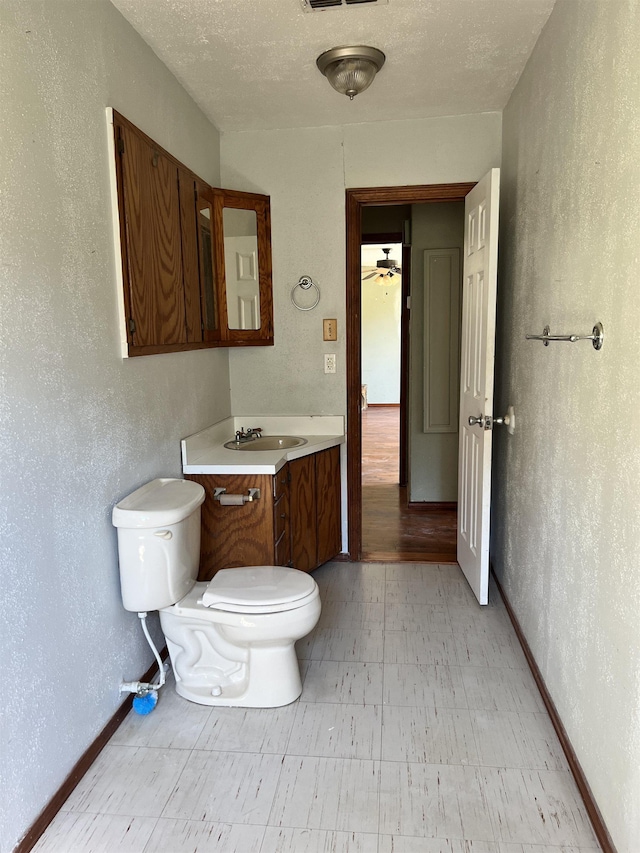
351, 70
387, 262
388, 278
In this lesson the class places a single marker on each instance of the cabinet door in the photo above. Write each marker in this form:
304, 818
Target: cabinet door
209, 286
328, 504
242, 253
151, 203
235, 535
190, 255
304, 541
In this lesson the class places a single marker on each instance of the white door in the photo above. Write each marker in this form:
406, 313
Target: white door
479, 278
242, 282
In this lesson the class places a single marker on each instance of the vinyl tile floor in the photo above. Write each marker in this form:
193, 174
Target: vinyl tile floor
419, 730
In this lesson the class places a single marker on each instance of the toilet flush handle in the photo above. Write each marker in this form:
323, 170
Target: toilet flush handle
163, 534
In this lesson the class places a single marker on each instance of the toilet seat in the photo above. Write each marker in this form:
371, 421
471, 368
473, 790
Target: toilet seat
259, 589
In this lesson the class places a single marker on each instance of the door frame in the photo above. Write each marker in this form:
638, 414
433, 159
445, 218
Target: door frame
356, 199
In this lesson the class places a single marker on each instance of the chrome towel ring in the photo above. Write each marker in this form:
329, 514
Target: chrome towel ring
305, 283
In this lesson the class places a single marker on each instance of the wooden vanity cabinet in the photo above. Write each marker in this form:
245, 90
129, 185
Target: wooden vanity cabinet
296, 522
315, 509
255, 534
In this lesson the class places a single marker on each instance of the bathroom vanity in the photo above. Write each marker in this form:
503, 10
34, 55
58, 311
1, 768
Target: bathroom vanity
295, 517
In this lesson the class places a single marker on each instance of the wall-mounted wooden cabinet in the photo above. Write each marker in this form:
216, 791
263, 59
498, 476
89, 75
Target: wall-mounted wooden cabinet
196, 260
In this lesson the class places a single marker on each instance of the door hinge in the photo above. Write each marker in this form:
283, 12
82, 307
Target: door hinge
408, 303
120, 145
132, 326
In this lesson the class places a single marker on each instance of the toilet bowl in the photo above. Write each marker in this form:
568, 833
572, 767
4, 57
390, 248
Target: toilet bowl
232, 640
236, 652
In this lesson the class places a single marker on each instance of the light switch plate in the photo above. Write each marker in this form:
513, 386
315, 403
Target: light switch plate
329, 330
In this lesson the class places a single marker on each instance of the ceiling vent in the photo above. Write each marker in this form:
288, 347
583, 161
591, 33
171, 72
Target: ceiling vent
323, 5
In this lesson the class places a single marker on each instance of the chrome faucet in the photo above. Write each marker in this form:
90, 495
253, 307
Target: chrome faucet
250, 435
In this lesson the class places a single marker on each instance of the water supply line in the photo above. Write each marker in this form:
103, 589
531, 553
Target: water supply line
143, 688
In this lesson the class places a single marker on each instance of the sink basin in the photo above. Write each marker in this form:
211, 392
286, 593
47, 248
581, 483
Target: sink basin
268, 442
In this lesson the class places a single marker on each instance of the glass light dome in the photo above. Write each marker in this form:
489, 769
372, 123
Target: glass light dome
351, 70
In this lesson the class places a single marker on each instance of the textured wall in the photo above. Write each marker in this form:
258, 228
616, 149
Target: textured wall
433, 457
80, 426
306, 171
566, 540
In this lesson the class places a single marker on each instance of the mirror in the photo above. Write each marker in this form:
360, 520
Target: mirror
240, 229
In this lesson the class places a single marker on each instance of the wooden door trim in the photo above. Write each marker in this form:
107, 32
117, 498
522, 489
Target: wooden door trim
356, 199
405, 348
381, 237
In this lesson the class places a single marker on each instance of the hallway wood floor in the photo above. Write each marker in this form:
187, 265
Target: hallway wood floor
390, 531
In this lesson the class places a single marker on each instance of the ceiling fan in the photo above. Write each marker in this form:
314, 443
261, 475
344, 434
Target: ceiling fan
386, 268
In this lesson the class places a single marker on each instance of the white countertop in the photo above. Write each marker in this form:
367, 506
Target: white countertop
205, 453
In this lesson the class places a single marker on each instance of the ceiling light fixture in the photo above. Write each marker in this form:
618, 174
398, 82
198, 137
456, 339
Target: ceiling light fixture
386, 268
351, 70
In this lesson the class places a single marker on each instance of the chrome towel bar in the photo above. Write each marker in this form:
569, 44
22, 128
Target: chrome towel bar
596, 337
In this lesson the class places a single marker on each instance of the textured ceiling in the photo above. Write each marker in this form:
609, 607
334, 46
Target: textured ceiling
250, 64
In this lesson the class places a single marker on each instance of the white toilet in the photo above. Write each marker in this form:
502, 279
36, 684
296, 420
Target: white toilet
231, 640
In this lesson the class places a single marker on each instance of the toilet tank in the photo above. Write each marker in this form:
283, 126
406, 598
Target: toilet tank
158, 543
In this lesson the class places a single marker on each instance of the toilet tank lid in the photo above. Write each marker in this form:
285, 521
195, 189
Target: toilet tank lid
158, 503
258, 585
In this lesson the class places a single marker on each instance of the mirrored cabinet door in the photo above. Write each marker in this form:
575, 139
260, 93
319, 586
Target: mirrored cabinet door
243, 266
242, 282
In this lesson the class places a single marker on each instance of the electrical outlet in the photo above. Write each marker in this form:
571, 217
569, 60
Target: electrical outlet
329, 362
